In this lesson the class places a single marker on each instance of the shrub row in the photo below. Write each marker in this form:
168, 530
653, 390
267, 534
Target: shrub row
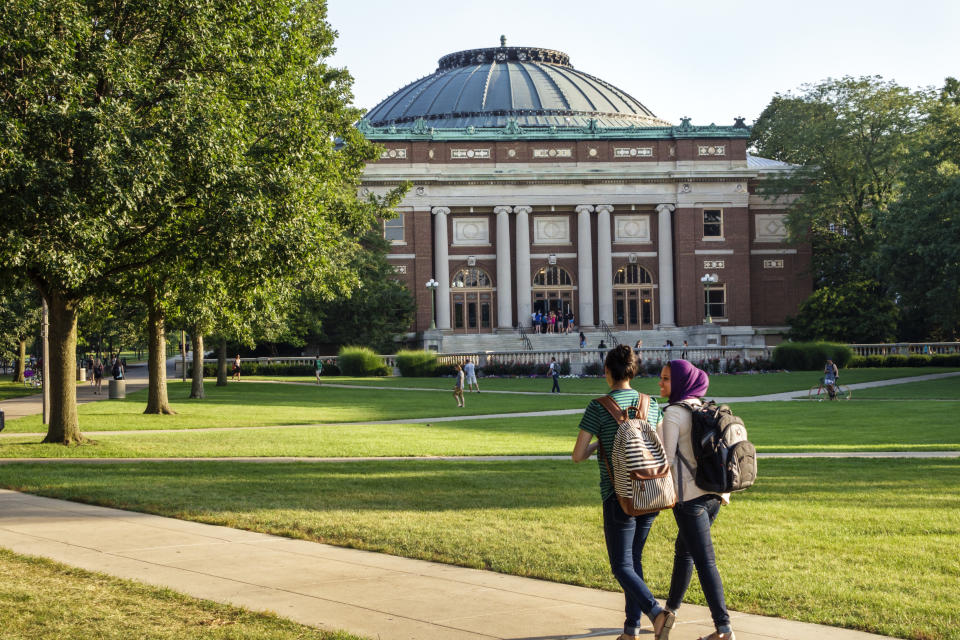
417, 364
269, 369
361, 362
807, 356
914, 360
504, 370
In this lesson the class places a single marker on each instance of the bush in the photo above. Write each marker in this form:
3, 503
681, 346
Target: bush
896, 361
857, 362
417, 364
361, 362
945, 360
810, 355
873, 361
514, 369
918, 360
593, 369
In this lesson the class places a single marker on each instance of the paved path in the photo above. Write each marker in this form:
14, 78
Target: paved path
371, 594
319, 459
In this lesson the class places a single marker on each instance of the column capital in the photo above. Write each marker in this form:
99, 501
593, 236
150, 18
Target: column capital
502, 209
669, 208
440, 210
523, 208
601, 208
584, 208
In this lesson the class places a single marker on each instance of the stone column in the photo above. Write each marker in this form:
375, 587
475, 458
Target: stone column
665, 258
523, 265
441, 265
585, 265
604, 264
504, 275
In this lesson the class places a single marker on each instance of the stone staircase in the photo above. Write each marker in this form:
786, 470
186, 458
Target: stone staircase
511, 341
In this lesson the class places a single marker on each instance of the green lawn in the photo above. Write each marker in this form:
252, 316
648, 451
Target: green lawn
253, 404
43, 600
9, 390
773, 427
720, 385
866, 544
944, 389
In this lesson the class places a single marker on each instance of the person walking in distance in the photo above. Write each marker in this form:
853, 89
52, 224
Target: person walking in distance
470, 372
555, 372
318, 367
235, 374
696, 509
625, 535
97, 376
458, 385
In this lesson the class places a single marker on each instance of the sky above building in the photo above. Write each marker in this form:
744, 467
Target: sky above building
710, 61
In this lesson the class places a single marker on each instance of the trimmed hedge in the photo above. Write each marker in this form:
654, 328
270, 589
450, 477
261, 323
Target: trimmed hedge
361, 362
268, 369
912, 360
417, 364
806, 356
513, 369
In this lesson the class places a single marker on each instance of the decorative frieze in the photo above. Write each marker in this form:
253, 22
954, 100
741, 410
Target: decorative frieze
400, 268
712, 150
714, 264
393, 154
551, 230
460, 154
633, 152
773, 264
632, 229
771, 227
471, 231
553, 153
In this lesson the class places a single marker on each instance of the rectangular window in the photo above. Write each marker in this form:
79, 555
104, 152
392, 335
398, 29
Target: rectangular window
715, 301
393, 229
713, 223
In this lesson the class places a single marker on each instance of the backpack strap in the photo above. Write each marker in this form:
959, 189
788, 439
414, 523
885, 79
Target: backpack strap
620, 414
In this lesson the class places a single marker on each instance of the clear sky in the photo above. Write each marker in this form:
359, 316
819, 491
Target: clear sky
711, 61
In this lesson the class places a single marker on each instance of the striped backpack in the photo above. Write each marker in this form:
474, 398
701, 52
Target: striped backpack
640, 471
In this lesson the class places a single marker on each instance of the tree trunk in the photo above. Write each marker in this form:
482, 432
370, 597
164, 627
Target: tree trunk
222, 363
21, 362
64, 428
157, 360
196, 388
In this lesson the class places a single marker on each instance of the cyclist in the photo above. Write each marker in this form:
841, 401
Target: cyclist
830, 375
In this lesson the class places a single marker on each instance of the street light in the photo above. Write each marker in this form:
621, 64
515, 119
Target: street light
707, 280
432, 285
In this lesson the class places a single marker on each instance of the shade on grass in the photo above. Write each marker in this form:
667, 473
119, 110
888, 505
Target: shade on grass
772, 426
261, 404
9, 390
44, 600
867, 544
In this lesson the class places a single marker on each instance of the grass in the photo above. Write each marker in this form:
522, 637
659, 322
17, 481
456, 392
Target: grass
10, 390
733, 385
253, 404
773, 427
945, 389
43, 600
865, 544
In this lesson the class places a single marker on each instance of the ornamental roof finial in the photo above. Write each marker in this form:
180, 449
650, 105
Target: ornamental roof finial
503, 41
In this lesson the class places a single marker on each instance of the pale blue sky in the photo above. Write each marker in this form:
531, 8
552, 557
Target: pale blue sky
711, 61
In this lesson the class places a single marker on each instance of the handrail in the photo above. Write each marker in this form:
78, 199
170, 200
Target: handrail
526, 340
609, 333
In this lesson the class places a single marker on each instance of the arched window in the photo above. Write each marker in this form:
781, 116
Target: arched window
471, 278
552, 277
632, 274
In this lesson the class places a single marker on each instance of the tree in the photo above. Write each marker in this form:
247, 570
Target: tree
19, 320
921, 248
856, 312
136, 131
849, 139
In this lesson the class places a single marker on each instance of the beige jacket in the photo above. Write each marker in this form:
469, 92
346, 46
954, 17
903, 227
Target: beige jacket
674, 432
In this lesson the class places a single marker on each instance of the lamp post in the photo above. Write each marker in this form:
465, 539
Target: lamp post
707, 280
432, 285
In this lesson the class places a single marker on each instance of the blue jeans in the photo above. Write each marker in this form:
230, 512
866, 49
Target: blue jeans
694, 547
625, 537
556, 383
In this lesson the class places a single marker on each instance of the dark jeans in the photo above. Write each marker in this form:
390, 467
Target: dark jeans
694, 547
625, 537
556, 383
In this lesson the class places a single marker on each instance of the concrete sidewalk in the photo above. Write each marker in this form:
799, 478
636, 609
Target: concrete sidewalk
370, 594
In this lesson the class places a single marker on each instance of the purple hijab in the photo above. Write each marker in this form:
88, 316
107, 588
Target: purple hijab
686, 381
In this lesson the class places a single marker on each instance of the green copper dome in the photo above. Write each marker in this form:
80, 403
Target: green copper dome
537, 88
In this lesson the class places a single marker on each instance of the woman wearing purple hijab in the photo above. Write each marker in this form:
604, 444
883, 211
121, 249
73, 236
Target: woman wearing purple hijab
696, 509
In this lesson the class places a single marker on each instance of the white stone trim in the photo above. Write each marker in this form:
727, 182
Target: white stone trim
773, 252
639, 254
478, 256
542, 225
544, 256
770, 227
638, 224
401, 256
712, 252
471, 231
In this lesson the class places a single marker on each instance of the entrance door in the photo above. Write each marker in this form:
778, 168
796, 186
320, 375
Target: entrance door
472, 311
633, 308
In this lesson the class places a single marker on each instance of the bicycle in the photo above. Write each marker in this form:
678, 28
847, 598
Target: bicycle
835, 391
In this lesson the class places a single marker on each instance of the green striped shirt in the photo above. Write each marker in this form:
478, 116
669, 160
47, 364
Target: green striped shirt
599, 422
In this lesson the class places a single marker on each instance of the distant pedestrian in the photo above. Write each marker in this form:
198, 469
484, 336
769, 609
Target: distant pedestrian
571, 321
318, 367
458, 386
89, 365
583, 341
555, 372
235, 374
98, 376
117, 369
683, 353
534, 323
470, 372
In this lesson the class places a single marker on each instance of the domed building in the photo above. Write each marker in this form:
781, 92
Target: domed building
538, 187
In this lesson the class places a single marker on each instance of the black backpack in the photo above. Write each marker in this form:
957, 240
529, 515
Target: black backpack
726, 460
